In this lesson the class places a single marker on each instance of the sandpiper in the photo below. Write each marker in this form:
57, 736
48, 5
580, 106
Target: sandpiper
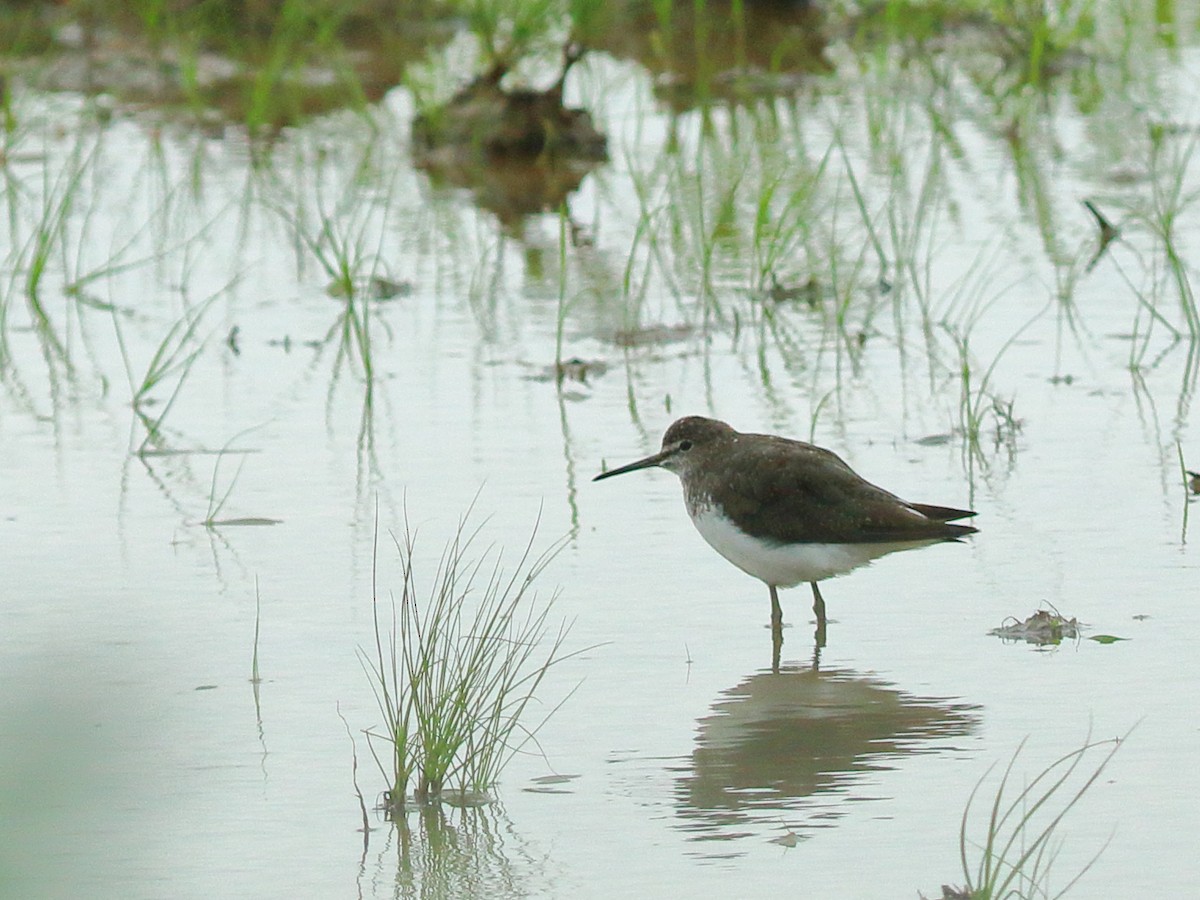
787, 511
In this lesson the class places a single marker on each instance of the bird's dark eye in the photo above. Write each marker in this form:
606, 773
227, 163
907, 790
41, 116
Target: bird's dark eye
685, 446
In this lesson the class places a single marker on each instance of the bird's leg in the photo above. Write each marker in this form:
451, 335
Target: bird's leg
818, 604
776, 628
819, 612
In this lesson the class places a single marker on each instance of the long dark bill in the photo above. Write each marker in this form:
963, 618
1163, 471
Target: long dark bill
646, 463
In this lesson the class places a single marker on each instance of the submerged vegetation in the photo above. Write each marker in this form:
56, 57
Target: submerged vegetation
798, 209
1044, 628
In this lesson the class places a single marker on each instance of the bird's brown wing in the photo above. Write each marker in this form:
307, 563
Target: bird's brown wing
808, 494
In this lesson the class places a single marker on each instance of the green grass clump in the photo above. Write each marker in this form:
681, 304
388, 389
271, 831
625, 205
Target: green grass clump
169, 366
1019, 847
456, 669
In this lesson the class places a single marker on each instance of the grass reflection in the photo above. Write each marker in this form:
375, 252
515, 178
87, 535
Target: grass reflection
459, 851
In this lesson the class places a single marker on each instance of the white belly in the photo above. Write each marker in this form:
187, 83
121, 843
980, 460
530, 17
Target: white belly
786, 565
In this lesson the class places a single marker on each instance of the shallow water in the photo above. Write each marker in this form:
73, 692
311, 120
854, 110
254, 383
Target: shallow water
140, 761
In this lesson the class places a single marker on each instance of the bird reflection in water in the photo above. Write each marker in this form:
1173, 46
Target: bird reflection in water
782, 745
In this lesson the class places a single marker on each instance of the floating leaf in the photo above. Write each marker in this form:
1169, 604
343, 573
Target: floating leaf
554, 779
1106, 638
247, 521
